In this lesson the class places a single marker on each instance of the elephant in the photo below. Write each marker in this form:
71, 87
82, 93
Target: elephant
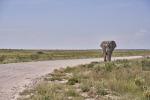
107, 49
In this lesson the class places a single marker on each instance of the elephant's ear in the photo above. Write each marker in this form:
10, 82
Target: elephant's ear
102, 45
113, 44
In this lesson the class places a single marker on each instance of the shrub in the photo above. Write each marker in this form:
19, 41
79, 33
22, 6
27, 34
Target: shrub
40, 52
147, 94
56, 75
102, 91
68, 69
23, 58
2, 58
95, 62
97, 67
145, 64
85, 87
109, 66
139, 82
34, 57
71, 92
90, 65
124, 63
47, 97
73, 81
54, 78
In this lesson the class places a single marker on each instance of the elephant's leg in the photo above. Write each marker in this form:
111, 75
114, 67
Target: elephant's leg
107, 58
110, 57
104, 57
104, 54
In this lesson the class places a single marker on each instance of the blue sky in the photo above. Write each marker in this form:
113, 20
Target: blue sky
74, 24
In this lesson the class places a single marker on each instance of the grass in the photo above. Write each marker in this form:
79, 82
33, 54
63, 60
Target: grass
117, 80
19, 55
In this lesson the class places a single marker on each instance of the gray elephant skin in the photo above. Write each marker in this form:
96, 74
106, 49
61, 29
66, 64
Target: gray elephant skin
108, 48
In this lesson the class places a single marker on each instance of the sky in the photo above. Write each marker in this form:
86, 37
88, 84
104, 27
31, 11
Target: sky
74, 24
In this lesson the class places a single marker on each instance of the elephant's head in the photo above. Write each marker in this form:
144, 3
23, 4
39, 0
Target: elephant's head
108, 45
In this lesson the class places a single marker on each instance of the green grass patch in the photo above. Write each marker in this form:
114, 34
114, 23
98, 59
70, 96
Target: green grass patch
20, 55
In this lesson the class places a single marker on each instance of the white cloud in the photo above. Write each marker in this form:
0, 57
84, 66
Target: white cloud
141, 32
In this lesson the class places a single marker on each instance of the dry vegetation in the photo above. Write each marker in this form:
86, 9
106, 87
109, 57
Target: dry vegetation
117, 80
14, 55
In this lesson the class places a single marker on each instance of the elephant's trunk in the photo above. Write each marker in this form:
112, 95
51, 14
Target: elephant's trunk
109, 57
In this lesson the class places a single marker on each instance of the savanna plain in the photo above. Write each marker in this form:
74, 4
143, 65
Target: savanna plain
116, 80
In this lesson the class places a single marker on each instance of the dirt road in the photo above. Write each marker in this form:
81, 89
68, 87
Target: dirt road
14, 77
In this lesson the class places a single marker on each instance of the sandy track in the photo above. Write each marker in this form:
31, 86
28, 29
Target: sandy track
14, 77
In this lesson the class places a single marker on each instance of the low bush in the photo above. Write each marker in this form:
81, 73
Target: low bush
73, 81
109, 66
2, 58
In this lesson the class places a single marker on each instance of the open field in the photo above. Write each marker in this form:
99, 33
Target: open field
117, 80
16, 55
